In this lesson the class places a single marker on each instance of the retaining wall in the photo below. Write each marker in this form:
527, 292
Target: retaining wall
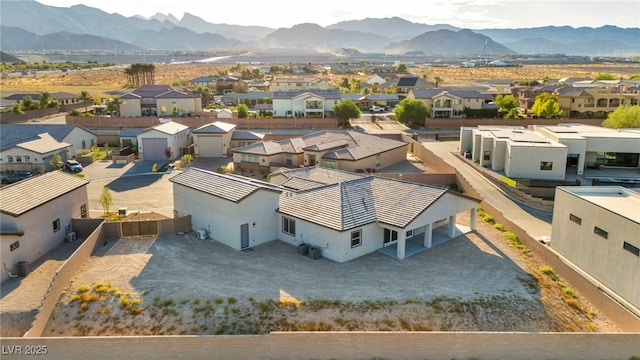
456, 124
339, 345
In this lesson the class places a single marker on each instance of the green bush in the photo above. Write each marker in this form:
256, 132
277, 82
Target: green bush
489, 219
499, 227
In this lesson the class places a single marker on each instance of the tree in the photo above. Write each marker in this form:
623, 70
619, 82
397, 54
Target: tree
163, 110
85, 96
392, 89
29, 104
604, 76
56, 162
45, 99
205, 92
174, 111
168, 152
546, 105
624, 117
106, 200
243, 111
507, 105
113, 105
411, 113
344, 111
18, 109
401, 68
438, 80
186, 159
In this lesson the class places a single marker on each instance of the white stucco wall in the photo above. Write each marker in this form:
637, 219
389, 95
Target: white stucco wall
37, 224
523, 161
130, 107
222, 218
498, 154
604, 259
76, 138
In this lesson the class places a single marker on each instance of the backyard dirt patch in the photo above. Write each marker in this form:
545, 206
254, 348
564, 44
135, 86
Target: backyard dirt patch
181, 285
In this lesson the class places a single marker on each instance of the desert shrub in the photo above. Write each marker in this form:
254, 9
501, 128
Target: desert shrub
499, 226
548, 270
488, 219
83, 288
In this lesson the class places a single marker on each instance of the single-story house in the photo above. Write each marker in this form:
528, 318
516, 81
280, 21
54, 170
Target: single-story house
36, 216
159, 100
344, 150
63, 98
34, 155
154, 142
213, 140
129, 136
241, 138
80, 138
596, 228
346, 219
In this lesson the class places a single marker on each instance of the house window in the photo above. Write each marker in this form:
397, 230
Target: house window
9, 158
27, 159
288, 226
16, 245
330, 164
575, 219
630, 248
288, 159
18, 158
546, 165
83, 211
84, 144
250, 158
409, 234
487, 155
390, 236
356, 238
56, 225
377, 159
600, 232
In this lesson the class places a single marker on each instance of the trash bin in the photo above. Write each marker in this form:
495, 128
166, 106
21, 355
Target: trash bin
303, 249
314, 253
23, 268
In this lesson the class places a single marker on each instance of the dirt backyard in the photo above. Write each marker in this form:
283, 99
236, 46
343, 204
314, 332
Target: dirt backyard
181, 285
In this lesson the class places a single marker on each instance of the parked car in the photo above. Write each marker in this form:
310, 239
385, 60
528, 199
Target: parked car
73, 166
376, 109
16, 176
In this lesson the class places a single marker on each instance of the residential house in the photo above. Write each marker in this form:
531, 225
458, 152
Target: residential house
404, 84
236, 211
345, 219
63, 98
33, 155
305, 104
207, 81
596, 228
548, 152
343, 150
159, 100
227, 84
526, 95
241, 138
36, 216
129, 136
287, 84
597, 99
381, 78
80, 138
213, 140
251, 99
452, 103
154, 142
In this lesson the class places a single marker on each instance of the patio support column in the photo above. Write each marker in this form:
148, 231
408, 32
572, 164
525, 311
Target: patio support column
428, 236
402, 242
473, 213
452, 226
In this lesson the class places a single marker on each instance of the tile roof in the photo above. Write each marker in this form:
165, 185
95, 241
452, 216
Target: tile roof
246, 135
355, 145
350, 204
382, 97
319, 176
131, 132
26, 195
217, 127
58, 95
224, 186
12, 134
44, 144
175, 94
170, 128
327, 94
256, 95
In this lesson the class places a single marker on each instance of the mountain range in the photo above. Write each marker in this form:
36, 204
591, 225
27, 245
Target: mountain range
30, 25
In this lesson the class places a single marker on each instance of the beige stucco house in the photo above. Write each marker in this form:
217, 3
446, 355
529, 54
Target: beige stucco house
298, 84
151, 100
35, 216
213, 140
153, 142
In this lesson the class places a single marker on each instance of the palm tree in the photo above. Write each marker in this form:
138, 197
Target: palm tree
113, 105
438, 80
205, 91
85, 96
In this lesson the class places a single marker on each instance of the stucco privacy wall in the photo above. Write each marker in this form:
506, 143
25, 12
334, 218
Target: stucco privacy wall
193, 122
341, 345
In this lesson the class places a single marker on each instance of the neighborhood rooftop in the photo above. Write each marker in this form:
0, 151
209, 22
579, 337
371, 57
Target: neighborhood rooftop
26, 195
13, 134
617, 199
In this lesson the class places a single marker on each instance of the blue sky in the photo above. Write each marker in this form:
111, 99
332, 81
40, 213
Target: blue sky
473, 14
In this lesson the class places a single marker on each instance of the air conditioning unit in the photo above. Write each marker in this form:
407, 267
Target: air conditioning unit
201, 234
70, 237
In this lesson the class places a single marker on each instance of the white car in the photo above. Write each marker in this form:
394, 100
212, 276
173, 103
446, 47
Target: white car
73, 166
376, 109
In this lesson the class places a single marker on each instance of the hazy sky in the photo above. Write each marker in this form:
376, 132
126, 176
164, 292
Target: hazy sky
473, 14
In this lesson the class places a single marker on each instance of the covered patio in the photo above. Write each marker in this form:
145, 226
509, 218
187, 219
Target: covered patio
416, 245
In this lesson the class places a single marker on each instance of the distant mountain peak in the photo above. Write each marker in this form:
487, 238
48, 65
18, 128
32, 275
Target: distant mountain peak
162, 18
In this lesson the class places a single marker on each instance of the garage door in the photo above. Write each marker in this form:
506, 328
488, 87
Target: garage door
210, 146
153, 149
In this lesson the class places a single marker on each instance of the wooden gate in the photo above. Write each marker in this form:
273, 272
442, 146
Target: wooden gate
139, 228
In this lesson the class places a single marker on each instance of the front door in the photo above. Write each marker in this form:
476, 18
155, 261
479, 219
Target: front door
244, 236
312, 160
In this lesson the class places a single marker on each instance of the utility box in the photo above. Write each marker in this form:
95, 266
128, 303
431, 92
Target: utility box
315, 253
303, 249
23, 268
